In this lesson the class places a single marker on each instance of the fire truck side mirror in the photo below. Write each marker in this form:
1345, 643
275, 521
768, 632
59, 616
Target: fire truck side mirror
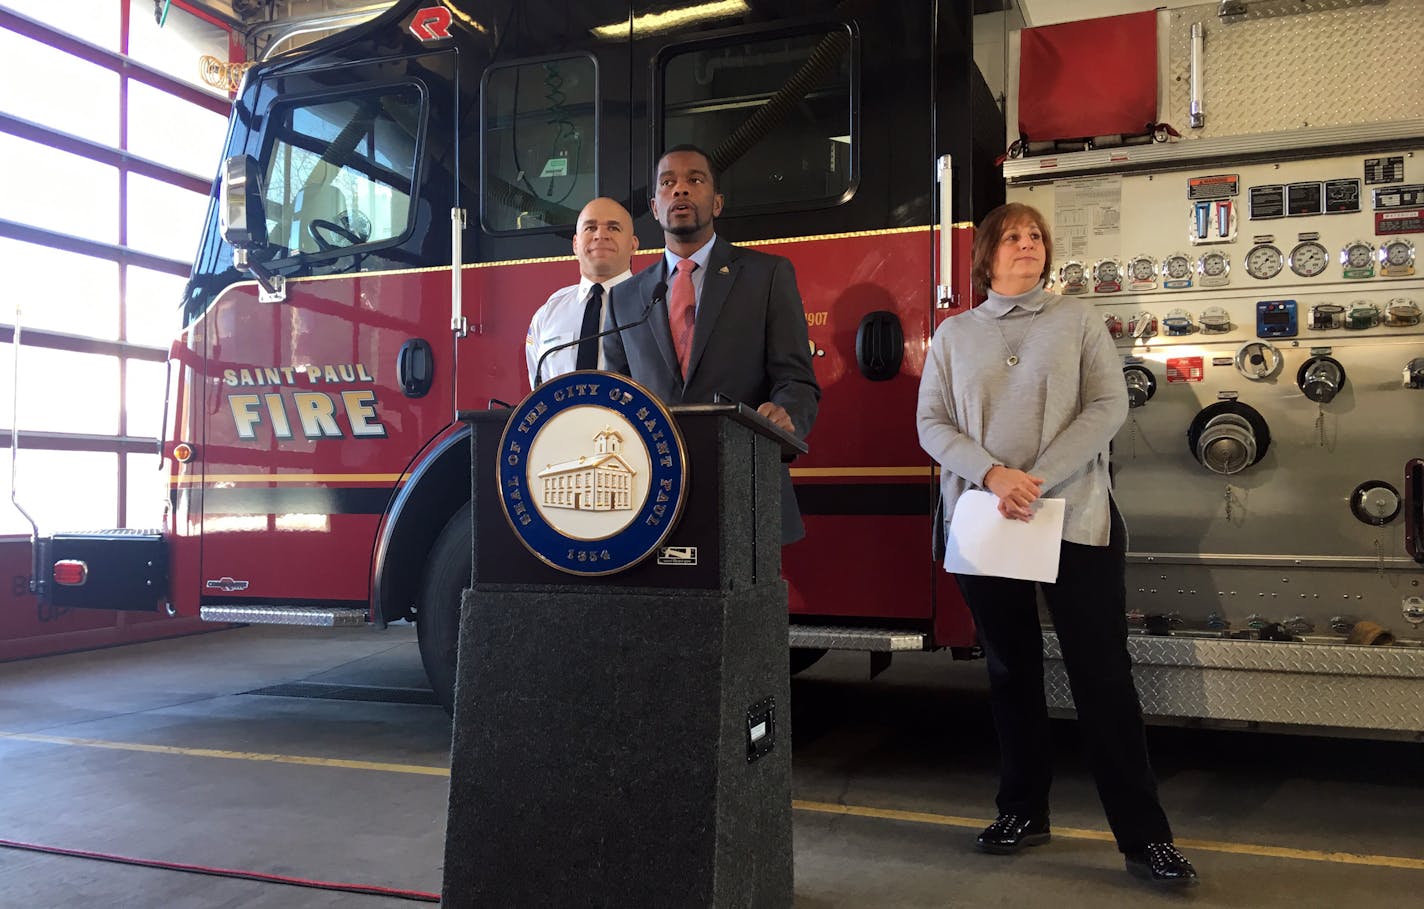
243, 222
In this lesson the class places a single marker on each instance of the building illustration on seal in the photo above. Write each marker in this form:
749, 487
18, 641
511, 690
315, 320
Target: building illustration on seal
602, 481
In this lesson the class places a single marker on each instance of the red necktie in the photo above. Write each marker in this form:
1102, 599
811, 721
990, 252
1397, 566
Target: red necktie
682, 312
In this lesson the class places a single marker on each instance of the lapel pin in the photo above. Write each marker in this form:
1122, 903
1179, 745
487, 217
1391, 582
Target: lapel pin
723, 270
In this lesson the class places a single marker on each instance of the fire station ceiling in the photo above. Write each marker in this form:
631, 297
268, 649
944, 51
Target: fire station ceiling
271, 26
264, 23
251, 13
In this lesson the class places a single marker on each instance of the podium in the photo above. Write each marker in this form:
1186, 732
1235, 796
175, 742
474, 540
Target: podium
624, 740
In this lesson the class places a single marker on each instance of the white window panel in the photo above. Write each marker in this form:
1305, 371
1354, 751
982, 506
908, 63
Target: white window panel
156, 117
58, 90
59, 291
95, 21
61, 391
144, 397
59, 191
176, 48
152, 303
63, 490
164, 219
147, 491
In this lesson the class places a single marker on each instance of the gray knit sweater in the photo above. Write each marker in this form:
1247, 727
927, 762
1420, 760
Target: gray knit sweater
1053, 414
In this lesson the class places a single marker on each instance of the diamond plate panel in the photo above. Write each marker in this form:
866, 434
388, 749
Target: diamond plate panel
1297, 71
285, 615
1267, 656
1309, 685
829, 637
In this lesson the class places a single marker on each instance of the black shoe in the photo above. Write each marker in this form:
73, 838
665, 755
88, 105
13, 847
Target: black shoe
1161, 863
1012, 832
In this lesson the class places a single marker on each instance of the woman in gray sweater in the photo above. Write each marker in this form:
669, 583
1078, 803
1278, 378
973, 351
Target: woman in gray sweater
1021, 396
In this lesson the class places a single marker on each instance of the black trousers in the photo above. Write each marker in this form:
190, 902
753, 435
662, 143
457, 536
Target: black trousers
1088, 607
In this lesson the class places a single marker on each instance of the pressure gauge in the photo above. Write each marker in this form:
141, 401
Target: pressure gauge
1073, 277
1107, 276
1177, 271
1142, 272
1358, 259
1142, 324
1214, 320
1257, 360
1177, 323
1396, 258
1214, 268
1264, 261
1401, 313
1361, 315
1326, 317
1309, 259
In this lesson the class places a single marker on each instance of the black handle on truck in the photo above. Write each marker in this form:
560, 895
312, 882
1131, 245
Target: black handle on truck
415, 367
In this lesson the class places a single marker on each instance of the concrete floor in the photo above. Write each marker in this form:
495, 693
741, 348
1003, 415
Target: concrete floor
164, 751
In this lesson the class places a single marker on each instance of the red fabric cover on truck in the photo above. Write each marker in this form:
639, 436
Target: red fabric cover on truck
1097, 77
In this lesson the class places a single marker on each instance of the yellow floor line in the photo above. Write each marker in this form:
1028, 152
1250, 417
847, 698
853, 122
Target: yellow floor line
889, 814
1078, 833
229, 755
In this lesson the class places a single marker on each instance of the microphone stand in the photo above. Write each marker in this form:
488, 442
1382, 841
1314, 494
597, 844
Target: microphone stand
659, 293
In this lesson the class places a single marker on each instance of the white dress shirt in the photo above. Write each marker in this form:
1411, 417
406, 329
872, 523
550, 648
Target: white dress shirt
559, 321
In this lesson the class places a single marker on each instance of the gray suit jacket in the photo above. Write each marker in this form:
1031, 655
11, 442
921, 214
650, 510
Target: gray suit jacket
749, 343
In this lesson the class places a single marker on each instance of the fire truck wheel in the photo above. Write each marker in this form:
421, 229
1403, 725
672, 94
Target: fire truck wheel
803, 658
437, 618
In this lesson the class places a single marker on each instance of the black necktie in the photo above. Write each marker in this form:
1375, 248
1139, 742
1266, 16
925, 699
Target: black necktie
592, 314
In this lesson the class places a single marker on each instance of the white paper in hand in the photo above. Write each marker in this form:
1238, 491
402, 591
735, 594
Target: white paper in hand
982, 541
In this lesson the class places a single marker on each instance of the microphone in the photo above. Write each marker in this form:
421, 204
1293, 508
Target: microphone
659, 294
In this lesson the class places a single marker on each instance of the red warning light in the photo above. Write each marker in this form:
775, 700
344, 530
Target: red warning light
71, 573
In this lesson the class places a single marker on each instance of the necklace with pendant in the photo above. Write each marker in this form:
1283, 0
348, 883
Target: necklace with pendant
1013, 358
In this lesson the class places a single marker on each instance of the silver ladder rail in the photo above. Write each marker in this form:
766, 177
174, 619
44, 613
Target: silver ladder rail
36, 585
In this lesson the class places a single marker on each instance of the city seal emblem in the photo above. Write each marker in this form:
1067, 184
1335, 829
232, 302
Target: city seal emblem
592, 472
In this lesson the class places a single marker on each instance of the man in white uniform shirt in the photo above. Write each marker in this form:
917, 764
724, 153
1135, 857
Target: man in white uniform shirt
604, 243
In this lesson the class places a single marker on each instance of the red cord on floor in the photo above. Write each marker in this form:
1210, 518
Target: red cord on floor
370, 889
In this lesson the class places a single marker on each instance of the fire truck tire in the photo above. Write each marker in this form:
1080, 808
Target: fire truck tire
803, 658
437, 618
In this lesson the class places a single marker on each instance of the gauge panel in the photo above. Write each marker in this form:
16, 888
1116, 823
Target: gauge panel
1309, 259
1107, 276
1214, 269
1141, 273
1357, 259
1177, 271
1396, 258
1264, 261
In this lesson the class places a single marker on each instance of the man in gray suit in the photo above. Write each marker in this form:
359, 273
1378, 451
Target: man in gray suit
731, 321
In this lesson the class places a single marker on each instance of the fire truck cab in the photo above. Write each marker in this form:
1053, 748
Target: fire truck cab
397, 199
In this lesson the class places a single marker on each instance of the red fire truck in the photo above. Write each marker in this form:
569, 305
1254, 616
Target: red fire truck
398, 198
